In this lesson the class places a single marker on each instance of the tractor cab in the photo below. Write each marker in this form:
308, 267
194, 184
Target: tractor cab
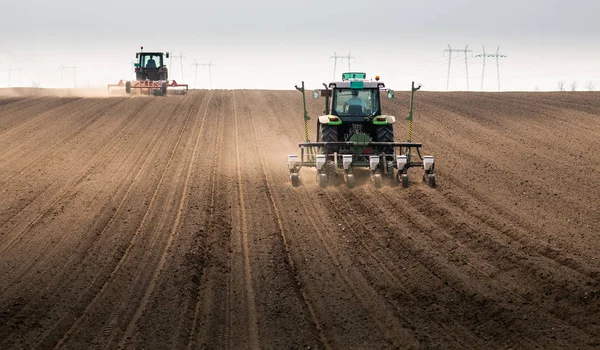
354, 99
151, 66
355, 96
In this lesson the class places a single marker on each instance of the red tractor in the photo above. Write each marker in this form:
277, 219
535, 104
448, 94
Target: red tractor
151, 77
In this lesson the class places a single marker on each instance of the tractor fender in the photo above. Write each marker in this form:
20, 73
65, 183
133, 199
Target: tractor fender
384, 120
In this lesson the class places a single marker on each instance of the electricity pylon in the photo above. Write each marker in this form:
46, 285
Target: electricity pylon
450, 50
181, 57
497, 55
209, 65
336, 57
62, 74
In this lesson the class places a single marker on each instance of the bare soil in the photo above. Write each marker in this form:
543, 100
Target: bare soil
171, 223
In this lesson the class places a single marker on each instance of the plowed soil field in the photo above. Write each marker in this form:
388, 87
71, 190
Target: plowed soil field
156, 223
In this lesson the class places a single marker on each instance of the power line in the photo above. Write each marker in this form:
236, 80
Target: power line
496, 55
450, 50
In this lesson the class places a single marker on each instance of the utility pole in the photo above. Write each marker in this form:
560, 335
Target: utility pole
450, 50
181, 57
496, 55
10, 70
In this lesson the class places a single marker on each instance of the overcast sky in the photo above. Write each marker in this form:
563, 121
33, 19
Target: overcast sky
275, 44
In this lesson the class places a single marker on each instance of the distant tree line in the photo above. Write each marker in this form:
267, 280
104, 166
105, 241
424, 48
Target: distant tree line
562, 85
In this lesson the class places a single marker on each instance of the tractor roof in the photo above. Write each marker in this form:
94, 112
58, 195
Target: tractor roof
356, 80
354, 84
150, 53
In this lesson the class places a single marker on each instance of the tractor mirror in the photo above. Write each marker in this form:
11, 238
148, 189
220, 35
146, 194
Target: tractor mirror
391, 94
167, 55
316, 94
137, 55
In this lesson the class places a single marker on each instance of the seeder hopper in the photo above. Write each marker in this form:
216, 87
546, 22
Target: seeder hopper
354, 135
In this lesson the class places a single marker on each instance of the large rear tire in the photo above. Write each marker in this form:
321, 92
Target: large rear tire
329, 133
385, 133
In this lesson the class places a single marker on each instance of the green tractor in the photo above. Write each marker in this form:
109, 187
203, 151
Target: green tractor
354, 133
151, 77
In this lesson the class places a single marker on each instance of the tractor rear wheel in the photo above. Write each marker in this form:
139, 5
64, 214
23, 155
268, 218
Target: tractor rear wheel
329, 133
385, 133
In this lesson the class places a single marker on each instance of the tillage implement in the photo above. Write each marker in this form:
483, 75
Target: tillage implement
355, 136
151, 77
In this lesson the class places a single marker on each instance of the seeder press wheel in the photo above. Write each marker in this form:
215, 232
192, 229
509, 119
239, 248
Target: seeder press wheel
295, 178
323, 179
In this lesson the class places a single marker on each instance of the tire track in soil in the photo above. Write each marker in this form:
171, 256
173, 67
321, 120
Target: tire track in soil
57, 333
250, 295
21, 226
18, 149
69, 191
289, 259
534, 260
173, 231
369, 242
21, 112
464, 283
205, 304
46, 290
110, 326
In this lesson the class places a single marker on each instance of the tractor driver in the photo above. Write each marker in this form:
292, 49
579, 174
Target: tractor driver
151, 63
355, 101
